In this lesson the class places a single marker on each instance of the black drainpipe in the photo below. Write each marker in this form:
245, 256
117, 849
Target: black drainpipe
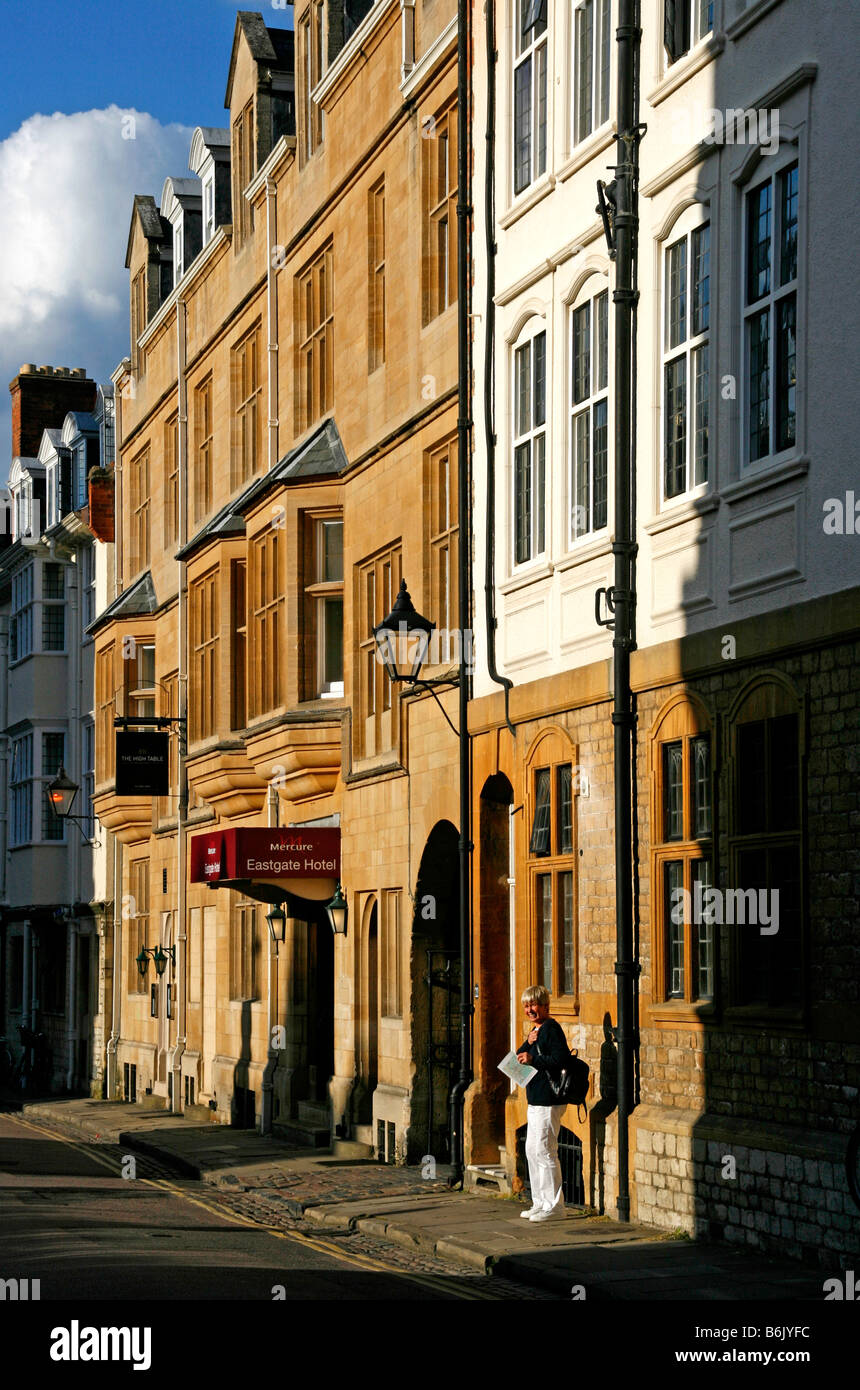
464, 490
624, 549
489, 366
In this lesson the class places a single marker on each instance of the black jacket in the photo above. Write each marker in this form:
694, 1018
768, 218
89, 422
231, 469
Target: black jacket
549, 1053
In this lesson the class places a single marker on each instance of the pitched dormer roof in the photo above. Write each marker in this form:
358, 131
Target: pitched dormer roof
271, 47
152, 224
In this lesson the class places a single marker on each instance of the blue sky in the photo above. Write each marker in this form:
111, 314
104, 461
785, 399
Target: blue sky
72, 72
167, 57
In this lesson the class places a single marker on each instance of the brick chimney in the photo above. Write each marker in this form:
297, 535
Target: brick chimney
41, 399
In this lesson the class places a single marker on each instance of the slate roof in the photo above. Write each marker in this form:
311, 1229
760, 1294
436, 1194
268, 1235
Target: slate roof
139, 599
320, 456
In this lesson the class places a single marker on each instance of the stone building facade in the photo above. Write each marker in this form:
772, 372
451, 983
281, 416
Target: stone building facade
287, 455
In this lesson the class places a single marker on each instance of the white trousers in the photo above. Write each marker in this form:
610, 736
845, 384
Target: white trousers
544, 1123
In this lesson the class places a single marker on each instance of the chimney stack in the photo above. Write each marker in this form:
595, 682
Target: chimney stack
41, 399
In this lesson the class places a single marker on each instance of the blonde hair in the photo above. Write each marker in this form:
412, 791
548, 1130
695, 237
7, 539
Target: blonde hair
535, 994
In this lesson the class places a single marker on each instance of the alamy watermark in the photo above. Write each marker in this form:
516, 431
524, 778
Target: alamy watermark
736, 125
716, 906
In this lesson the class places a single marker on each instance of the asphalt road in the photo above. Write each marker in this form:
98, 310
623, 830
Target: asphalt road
71, 1220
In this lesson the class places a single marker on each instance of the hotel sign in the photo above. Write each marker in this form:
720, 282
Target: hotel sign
285, 853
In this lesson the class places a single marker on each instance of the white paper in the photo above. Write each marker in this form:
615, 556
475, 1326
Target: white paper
517, 1071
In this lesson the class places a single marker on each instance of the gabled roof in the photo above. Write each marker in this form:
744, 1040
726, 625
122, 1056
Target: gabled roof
205, 140
139, 600
78, 422
320, 456
273, 47
152, 224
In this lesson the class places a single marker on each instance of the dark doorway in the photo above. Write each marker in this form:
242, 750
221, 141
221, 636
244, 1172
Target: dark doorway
435, 984
493, 975
320, 988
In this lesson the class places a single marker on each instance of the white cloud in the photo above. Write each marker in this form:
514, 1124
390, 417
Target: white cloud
66, 189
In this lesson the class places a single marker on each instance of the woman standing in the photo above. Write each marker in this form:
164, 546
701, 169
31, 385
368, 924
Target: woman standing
546, 1049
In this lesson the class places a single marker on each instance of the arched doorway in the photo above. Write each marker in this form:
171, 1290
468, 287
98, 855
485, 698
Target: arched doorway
493, 973
435, 984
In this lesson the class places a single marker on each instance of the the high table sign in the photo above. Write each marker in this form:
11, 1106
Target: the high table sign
306, 862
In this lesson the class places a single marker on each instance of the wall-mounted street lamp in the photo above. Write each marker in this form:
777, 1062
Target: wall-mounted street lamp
160, 958
61, 795
402, 640
338, 912
277, 920
404, 631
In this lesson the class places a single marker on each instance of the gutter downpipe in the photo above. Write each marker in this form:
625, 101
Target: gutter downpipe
272, 320
628, 36
489, 365
111, 1051
464, 423
180, 934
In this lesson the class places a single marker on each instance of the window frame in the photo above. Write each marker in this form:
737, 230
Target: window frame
597, 396
204, 650
23, 606
204, 433
247, 950
532, 53
442, 541
376, 256
694, 34
21, 784
139, 891
684, 231
139, 519
601, 71
243, 164
318, 593
794, 289
47, 816
553, 752
765, 698
170, 517
314, 351
311, 66
376, 582
439, 252
682, 719
246, 414
538, 541
266, 606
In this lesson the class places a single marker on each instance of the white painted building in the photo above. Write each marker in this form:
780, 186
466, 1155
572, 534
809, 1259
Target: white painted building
747, 600
55, 577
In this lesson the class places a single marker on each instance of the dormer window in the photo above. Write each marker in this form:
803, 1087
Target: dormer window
23, 511
52, 493
178, 266
208, 210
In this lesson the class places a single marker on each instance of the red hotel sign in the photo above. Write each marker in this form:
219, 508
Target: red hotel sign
285, 853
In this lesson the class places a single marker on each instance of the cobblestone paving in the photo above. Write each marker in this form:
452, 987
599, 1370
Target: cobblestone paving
268, 1207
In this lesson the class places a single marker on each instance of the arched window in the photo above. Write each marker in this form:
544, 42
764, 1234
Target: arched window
765, 844
589, 410
686, 326
528, 394
552, 783
682, 830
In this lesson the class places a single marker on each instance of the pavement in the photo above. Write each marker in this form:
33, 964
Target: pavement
577, 1254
